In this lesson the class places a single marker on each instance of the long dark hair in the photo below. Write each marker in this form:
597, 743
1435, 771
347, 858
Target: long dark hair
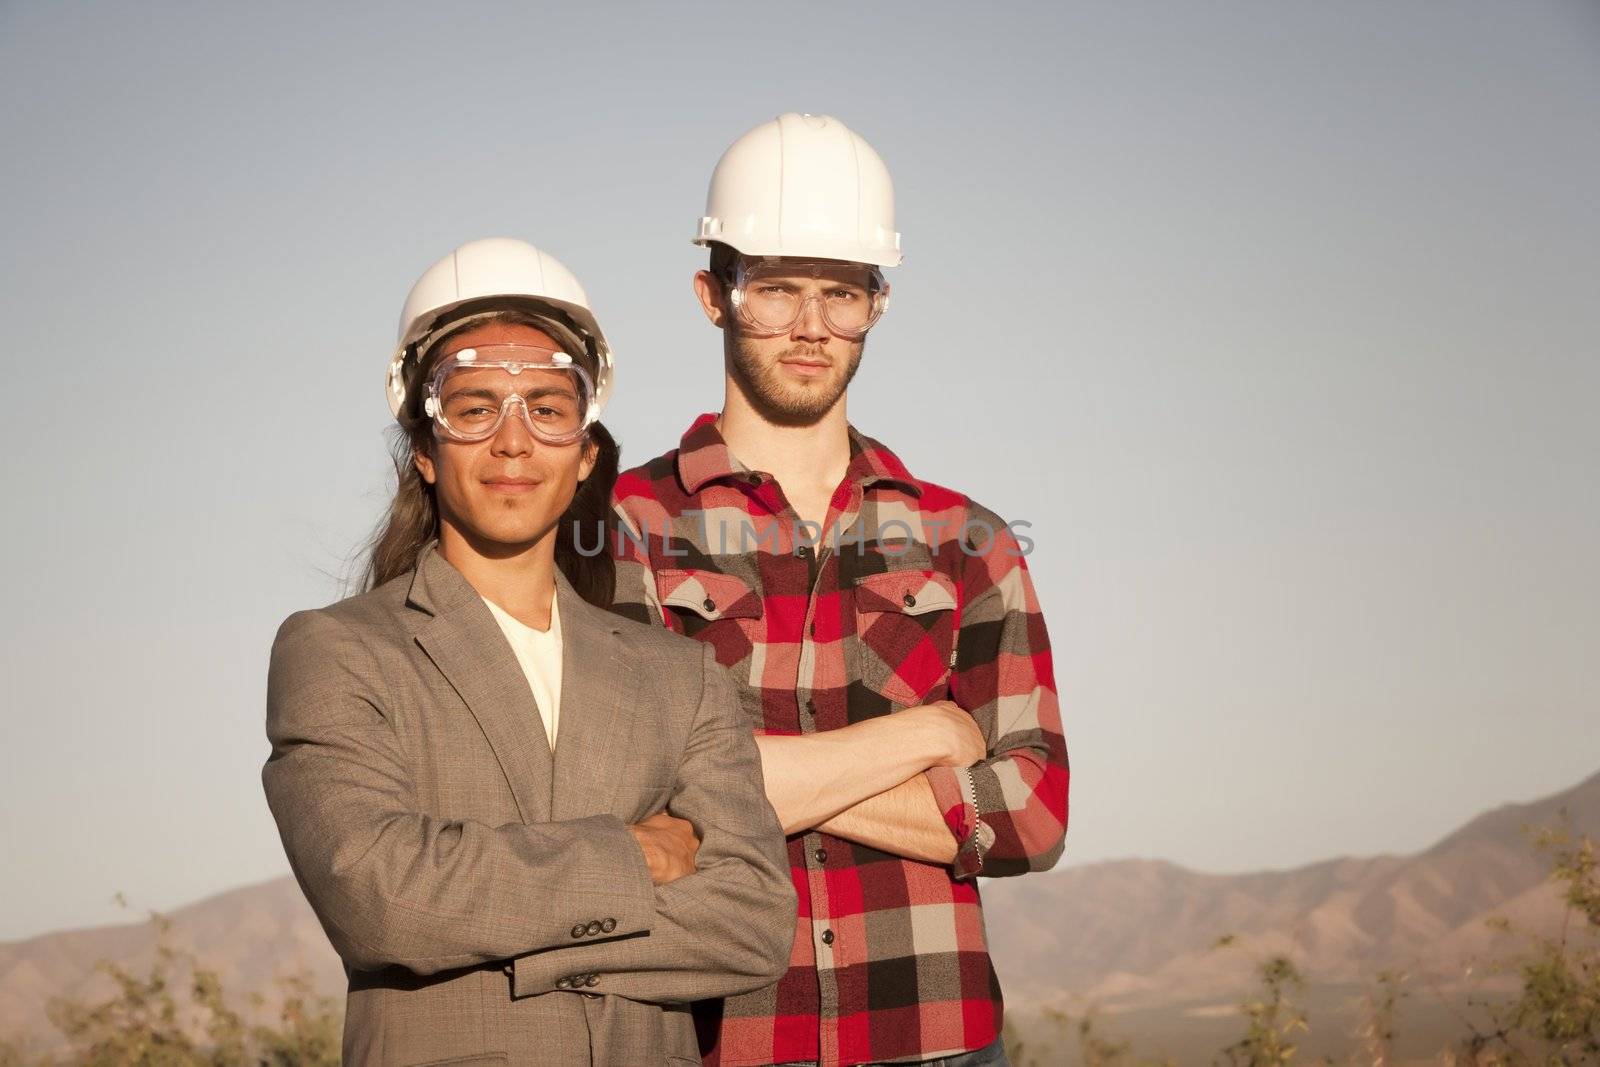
413, 517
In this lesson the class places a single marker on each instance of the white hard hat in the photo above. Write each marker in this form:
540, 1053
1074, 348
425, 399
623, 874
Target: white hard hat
496, 271
803, 185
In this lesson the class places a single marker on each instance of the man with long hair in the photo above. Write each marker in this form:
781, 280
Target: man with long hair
884, 628
531, 829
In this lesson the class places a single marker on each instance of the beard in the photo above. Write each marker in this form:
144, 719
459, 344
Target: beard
781, 399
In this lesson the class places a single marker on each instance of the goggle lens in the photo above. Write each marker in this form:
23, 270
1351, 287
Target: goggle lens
470, 398
772, 299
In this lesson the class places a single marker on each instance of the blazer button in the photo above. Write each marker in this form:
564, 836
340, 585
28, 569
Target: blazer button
592, 980
593, 928
578, 931
563, 983
609, 925
827, 937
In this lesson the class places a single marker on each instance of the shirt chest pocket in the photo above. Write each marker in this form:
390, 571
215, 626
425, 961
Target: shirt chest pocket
904, 644
720, 609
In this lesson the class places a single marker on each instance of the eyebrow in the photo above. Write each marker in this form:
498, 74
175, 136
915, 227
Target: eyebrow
490, 394
795, 282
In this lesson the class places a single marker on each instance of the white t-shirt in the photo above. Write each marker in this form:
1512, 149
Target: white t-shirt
539, 654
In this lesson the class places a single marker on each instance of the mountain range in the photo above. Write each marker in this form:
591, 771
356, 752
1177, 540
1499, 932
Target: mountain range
1135, 938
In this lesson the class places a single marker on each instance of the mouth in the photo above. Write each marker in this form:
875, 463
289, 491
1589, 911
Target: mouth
511, 485
806, 367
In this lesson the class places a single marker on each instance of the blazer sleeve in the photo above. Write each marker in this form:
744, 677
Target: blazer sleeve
393, 885
729, 927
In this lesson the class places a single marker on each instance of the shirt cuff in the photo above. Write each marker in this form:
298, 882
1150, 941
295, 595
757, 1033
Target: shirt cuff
957, 797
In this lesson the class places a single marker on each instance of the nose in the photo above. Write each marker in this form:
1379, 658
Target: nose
811, 326
513, 437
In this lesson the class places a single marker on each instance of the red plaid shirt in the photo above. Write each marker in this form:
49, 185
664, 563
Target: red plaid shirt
912, 594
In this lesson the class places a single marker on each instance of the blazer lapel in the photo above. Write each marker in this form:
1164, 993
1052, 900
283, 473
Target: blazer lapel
598, 688
466, 644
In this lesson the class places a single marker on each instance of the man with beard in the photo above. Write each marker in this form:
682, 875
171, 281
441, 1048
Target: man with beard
893, 657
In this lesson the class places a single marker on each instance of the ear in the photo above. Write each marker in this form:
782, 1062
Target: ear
708, 288
591, 455
424, 464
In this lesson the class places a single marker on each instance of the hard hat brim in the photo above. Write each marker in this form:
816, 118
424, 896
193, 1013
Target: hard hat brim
800, 249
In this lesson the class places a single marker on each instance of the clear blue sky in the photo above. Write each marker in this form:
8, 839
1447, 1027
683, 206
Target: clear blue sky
1277, 320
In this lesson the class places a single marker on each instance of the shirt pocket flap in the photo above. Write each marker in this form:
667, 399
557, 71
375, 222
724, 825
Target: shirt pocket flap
908, 592
710, 594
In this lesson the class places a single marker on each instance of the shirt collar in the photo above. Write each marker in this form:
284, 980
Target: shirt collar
704, 457
549, 636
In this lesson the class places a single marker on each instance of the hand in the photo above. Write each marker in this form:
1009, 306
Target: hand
669, 845
957, 739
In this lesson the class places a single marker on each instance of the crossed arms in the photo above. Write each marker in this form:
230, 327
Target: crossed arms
865, 782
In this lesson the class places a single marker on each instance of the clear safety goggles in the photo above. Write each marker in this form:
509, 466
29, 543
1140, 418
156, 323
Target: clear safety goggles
770, 295
472, 391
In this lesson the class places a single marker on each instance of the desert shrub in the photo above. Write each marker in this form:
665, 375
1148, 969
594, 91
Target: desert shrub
1554, 1021
177, 1014
1380, 1019
1272, 1017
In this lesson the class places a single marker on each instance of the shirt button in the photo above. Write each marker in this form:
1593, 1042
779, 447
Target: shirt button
811, 707
593, 928
578, 931
608, 926
827, 937
909, 600
804, 551
822, 855
710, 605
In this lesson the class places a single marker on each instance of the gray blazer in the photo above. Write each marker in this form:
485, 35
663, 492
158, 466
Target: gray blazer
487, 900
